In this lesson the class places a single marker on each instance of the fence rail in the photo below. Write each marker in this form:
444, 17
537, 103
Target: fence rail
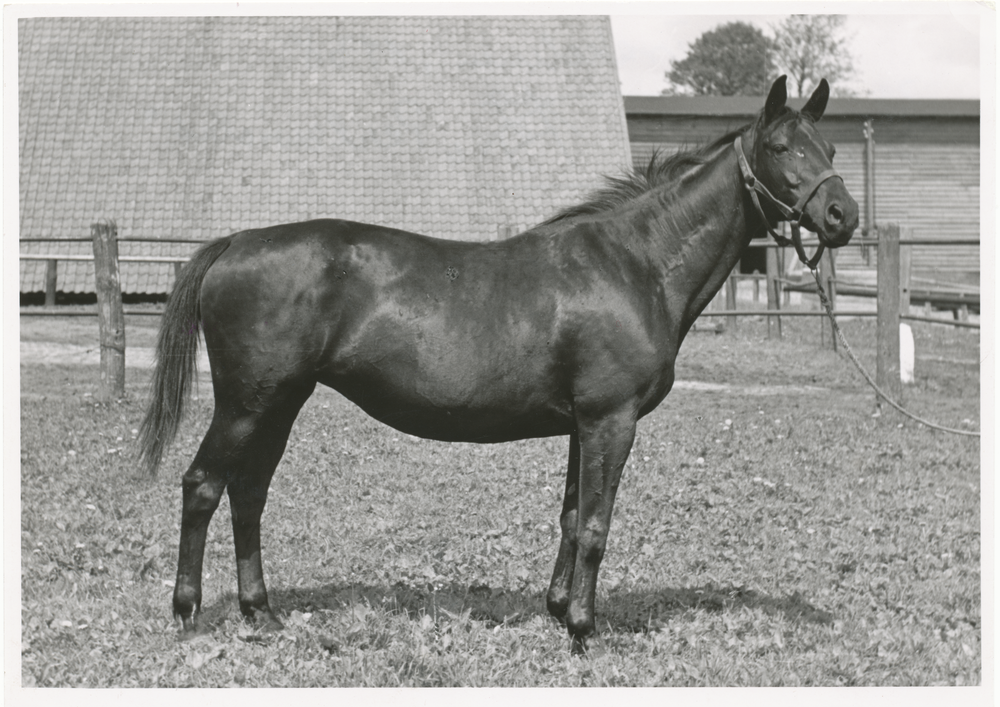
121, 258
957, 323
125, 239
77, 311
792, 313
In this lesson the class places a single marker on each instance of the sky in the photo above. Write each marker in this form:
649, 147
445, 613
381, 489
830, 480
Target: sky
901, 48
935, 54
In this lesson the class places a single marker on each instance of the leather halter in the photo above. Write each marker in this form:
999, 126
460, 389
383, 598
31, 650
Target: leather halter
792, 214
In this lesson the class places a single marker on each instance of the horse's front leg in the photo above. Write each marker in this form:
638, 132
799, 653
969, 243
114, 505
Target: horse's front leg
605, 443
557, 599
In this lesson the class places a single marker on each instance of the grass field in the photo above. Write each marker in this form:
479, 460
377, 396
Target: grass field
769, 531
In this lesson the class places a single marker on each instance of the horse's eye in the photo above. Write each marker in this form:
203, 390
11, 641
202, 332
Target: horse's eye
780, 149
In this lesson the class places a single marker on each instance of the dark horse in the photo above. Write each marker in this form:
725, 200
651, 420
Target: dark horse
570, 328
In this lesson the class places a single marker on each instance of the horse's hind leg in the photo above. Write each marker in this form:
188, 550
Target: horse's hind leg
247, 496
557, 599
241, 450
202, 486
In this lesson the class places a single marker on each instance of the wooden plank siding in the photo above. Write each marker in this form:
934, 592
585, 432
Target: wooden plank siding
930, 190
927, 166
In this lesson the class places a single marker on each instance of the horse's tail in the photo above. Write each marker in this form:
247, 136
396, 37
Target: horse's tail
176, 356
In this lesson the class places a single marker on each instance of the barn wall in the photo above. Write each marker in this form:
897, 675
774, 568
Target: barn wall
926, 177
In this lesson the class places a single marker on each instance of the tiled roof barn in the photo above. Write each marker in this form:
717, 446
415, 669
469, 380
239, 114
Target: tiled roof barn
201, 126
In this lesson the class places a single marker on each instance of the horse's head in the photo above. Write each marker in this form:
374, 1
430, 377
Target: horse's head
794, 162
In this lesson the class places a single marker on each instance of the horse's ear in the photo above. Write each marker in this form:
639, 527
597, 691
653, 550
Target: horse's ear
775, 99
816, 105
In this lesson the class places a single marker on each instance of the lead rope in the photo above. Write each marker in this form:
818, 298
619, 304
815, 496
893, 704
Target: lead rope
881, 393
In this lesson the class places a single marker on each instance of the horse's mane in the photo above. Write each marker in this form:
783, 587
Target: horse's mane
635, 182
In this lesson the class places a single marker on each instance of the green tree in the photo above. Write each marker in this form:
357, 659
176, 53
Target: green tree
813, 47
734, 59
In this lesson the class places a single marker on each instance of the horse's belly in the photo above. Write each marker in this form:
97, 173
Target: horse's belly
455, 373
481, 425
485, 418
456, 401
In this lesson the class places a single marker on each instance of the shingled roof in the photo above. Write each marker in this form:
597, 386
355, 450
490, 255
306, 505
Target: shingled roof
197, 127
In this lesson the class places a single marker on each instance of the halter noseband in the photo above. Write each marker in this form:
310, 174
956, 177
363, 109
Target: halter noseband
792, 214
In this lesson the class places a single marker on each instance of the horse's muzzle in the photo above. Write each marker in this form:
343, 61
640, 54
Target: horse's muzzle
839, 217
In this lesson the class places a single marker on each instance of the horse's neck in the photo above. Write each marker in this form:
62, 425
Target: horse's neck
700, 234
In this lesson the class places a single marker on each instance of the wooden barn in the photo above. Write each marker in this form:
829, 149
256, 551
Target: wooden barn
196, 127
924, 175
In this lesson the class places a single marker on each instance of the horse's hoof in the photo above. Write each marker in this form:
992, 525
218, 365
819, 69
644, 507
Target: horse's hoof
557, 609
265, 626
559, 618
577, 645
189, 630
271, 625
267, 622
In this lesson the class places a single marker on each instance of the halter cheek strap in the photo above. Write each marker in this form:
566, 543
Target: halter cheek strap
792, 214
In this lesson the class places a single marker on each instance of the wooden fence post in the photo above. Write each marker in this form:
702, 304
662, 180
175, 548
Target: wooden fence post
731, 320
905, 264
51, 282
110, 314
887, 333
907, 355
773, 291
827, 275
869, 230
786, 295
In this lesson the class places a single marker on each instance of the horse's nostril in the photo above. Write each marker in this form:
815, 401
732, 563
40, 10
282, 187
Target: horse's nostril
834, 214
